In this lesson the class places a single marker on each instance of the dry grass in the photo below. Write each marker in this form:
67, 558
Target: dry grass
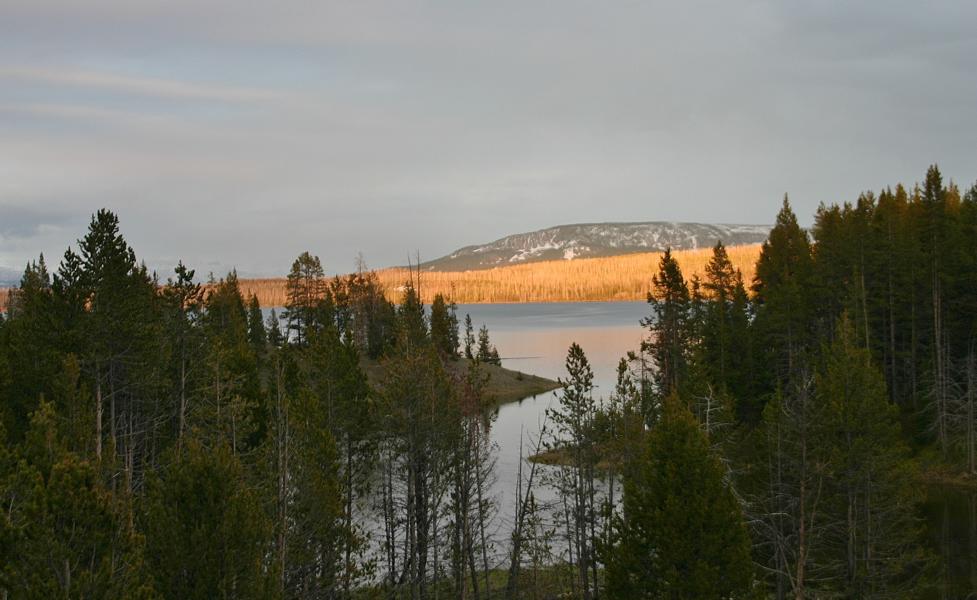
616, 278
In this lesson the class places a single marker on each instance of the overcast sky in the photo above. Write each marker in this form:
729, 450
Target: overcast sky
241, 133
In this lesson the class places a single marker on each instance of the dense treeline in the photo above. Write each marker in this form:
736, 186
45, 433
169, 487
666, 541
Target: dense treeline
848, 368
612, 278
164, 439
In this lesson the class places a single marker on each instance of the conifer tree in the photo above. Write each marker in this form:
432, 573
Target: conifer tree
669, 325
63, 534
470, 351
444, 327
873, 548
781, 288
182, 312
34, 356
573, 436
306, 291
235, 413
206, 534
681, 533
486, 352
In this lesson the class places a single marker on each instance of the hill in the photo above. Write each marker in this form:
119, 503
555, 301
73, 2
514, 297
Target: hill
593, 240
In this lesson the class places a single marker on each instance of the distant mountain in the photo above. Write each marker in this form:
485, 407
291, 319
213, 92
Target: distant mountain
586, 240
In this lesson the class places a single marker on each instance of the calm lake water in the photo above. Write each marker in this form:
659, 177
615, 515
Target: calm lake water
534, 338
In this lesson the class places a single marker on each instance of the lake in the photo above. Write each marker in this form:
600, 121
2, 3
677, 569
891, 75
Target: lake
534, 338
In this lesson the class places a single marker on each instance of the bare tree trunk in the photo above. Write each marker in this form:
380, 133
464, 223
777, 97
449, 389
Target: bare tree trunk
894, 383
349, 518
801, 545
865, 306
570, 542
183, 402
971, 416
99, 408
523, 499
480, 499
282, 419
112, 423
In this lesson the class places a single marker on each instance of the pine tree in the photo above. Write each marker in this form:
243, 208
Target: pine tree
306, 292
573, 436
206, 534
444, 327
669, 325
122, 343
781, 288
873, 548
34, 355
182, 312
486, 352
235, 411
469, 338
63, 534
682, 533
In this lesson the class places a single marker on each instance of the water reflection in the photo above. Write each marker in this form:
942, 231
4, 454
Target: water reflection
534, 338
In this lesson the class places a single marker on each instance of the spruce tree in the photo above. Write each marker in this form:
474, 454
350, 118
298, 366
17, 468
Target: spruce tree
669, 325
486, 352
681, 533
306, 289
782, 286
206, 534
873, 548
63, 533
469, 338
444, 327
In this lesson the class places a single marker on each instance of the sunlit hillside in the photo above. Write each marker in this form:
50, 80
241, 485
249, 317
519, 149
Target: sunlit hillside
625, 277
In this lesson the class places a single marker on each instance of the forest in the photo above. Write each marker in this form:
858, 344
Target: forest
612, 278
773, 436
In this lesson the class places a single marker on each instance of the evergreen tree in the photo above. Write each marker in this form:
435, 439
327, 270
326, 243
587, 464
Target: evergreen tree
62, 533
412, 328
257, 336
34, 355
181, 314
469, 338
444, 327
681, 534
781, 288
873, 546
314, 549
574, 437
235, 412
486, 352
306, 304
206, 534
121, 332
669, 325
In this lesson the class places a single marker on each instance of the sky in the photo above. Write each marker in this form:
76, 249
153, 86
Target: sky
239, 134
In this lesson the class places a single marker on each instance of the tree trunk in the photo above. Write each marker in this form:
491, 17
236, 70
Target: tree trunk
99, 408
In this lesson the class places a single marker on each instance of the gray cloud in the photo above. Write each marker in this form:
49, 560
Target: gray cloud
241, 134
